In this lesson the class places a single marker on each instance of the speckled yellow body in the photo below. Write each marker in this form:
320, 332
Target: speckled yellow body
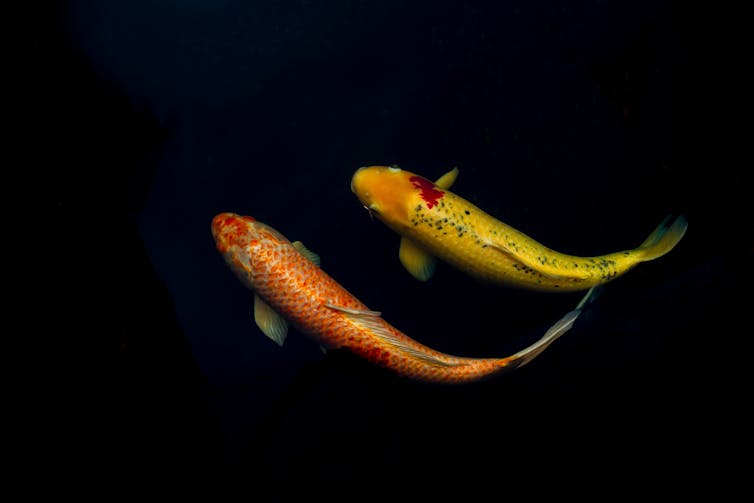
295, 287
446, 226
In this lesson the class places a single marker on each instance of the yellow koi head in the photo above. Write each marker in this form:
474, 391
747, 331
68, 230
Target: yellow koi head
390, 193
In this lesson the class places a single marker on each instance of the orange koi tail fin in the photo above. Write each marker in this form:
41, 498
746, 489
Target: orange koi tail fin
560, 327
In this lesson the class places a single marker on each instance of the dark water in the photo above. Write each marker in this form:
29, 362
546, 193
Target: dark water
582, 124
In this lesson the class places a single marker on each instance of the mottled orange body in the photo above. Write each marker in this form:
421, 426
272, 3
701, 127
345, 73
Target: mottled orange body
295, 287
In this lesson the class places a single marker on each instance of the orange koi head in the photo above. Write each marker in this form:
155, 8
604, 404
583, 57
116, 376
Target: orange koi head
391, 193
244, 242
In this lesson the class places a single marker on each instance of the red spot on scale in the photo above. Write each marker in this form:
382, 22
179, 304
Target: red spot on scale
429, 193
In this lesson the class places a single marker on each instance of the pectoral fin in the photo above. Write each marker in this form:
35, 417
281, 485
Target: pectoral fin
419, 263
270, 322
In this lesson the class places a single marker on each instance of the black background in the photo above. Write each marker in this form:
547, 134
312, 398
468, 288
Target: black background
581, 124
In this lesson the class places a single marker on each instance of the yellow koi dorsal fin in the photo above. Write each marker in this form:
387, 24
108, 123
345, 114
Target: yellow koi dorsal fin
448, 179
306, 252
269, 321
371, 321
419, 263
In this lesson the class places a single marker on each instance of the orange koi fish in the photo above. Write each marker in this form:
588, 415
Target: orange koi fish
290, 289
435, 223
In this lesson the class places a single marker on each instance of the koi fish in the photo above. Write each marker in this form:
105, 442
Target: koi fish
435, 223
290, 289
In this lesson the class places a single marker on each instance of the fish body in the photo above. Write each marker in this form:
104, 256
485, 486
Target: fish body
291, 289
434, 223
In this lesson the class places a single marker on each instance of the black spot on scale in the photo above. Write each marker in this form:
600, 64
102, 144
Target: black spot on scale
467, 212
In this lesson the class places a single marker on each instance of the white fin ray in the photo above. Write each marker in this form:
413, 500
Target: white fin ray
356, 312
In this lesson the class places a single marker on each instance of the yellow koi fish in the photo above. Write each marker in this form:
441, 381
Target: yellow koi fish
435, 223
290, 289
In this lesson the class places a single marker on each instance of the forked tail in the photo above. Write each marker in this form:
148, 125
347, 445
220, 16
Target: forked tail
559, 328
664, 237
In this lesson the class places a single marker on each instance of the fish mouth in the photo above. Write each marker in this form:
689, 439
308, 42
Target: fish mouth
218, 222
222, 221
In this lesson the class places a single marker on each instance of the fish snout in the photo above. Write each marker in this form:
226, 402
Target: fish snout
355, 180
363, 180
230, 229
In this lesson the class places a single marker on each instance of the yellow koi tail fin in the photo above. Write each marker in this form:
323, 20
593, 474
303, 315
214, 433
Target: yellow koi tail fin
664, 237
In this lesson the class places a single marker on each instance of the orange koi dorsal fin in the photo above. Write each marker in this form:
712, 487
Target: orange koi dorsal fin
306, 252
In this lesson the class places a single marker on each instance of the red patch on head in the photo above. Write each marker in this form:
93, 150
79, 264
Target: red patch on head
429, 193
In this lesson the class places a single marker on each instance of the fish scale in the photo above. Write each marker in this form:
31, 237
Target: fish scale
315, 304
434, 223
